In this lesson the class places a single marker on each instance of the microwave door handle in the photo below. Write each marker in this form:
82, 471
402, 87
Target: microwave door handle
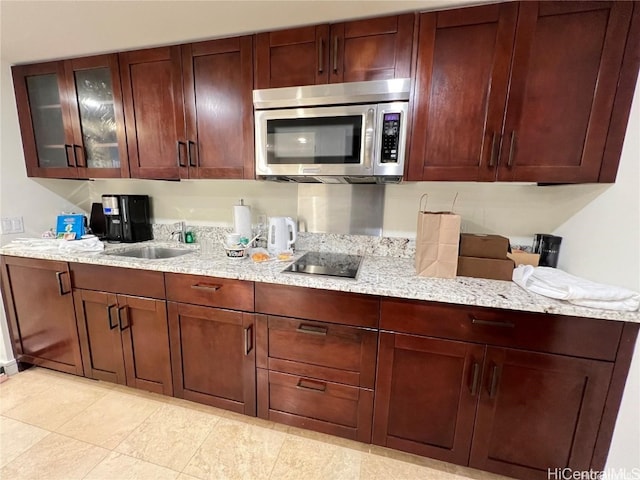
369, 143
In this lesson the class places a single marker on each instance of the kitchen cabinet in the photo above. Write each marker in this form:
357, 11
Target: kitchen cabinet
316, 368
212, 346
188, 109
71, 118
372, 49
534, 100
448, 388
124, 336
42, 332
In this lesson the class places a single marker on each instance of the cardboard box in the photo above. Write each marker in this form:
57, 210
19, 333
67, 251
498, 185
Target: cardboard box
483, 246
70, 227
496, 269
520, 257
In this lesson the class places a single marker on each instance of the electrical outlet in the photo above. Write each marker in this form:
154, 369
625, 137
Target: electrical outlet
17, 225
5, 226
11, 225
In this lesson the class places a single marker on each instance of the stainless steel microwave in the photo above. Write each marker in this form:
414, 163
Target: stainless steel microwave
340, 133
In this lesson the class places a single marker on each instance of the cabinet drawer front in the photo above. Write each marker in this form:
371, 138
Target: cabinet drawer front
210, 291
580, 337
313, 304
141, 283
348, 349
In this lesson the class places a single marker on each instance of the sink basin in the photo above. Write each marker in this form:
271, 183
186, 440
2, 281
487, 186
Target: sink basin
152, 253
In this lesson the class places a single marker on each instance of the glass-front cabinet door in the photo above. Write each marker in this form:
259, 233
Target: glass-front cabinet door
71, 118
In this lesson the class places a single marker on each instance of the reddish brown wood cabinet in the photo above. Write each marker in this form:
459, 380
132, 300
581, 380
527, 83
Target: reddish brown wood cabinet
455, 396
43, 332
188, 109
71, 118
535, 100
212, 347
373, 49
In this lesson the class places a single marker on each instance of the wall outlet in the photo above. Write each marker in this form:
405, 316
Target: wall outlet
11, 225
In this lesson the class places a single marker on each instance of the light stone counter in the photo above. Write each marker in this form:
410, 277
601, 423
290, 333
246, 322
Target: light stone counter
384, 276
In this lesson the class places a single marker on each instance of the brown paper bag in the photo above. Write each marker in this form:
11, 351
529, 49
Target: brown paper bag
437, 240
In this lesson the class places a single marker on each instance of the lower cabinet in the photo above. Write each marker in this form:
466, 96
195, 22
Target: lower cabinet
125, 339
39, 307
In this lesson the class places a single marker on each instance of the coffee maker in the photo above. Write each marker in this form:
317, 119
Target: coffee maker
127, 218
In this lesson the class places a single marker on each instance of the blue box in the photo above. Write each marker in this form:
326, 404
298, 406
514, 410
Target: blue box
70, 227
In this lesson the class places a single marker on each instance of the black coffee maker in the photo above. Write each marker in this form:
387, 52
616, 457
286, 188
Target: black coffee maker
548, 246
127, 218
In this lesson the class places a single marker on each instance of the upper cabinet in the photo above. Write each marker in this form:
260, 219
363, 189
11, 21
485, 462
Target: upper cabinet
372, 49
71, 118
188, 110
533, 100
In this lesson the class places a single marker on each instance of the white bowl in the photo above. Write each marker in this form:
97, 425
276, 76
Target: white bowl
236, 253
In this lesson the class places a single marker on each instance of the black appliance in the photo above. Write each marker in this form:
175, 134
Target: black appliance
325, 263
97, 222
548, 246
127, 218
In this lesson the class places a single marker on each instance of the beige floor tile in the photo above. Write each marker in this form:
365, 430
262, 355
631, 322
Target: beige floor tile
54, 457
258, 422
310, 459
410, 458
122, 467
184, 476
323, 437
17, 437
109, 420
236, 450
169, 436
21, 387
376, 467
56, 405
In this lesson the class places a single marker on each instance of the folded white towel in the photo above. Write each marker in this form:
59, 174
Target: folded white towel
555, 283
92, 244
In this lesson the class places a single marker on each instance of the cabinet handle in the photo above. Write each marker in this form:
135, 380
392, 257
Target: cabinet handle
179, 153
66, 153
494, 152
248, 339
199, 286
319, 387
191, 158
60, 287
475, 378
320, 59
335, 55
312, 330
493, 383
489, 323
82, 155
126, 315
512, 148
111, 325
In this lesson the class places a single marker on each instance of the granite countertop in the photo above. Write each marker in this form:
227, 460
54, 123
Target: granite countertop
384, 276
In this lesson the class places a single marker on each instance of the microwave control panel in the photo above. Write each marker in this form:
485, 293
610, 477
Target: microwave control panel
390, 137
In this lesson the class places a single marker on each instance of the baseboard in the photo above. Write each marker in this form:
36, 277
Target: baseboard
10, 367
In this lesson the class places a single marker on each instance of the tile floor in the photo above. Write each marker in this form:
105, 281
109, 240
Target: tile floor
58, 426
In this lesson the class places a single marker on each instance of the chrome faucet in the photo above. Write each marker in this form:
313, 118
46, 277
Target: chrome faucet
182, 230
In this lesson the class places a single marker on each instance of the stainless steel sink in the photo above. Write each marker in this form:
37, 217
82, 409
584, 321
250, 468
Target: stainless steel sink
152, 253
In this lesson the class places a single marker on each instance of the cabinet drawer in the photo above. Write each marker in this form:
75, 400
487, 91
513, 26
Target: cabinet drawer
210, 291
313, 304
129, 281
318, 405
575, 336
322, 350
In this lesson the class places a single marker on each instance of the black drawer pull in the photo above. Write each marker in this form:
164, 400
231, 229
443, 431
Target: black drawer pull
476, 377
213, 288
60, 287
126, 316
313, 386
490, 323
312, 330
248, 339
111, 325
493, 384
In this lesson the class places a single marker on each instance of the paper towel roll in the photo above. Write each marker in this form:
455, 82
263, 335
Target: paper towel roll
242, 220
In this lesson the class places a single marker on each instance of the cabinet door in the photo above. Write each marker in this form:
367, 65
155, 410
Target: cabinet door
426, 395
213, 356
154, 113
289, 58
460, 92
41, 319
537, 412
566, 65
374, 49
96, 313
43, 111
218, 82
145, 339
100, 145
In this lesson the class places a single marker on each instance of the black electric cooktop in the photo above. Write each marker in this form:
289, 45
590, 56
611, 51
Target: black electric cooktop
323, 263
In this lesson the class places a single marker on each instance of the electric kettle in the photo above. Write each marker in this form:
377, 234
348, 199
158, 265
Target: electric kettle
281, 235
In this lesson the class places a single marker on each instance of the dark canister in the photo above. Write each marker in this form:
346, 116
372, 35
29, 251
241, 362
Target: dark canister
548, 246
